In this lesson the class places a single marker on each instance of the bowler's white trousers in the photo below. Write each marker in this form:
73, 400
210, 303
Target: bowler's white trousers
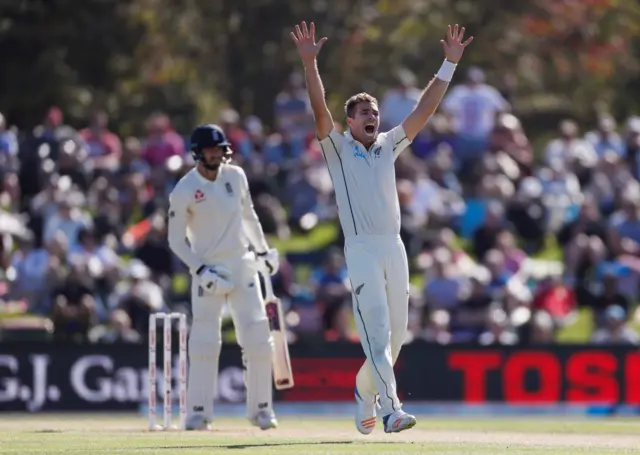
252, 331
379, 274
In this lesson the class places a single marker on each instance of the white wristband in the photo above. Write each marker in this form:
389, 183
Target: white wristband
446, 71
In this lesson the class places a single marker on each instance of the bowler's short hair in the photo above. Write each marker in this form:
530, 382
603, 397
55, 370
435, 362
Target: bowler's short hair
352, 103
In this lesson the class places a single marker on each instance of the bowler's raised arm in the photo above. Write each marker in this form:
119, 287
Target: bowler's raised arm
308, 49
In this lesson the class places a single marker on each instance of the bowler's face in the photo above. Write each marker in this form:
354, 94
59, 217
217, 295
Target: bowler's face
365, 122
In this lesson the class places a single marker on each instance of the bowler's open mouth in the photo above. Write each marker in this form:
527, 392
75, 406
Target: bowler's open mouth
369, 129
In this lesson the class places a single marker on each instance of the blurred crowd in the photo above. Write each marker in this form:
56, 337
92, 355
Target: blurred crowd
508, 244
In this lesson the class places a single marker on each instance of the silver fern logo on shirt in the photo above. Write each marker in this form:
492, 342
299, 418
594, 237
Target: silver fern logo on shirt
229, 189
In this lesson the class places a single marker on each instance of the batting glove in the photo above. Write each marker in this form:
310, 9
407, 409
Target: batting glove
214, 280
269, 260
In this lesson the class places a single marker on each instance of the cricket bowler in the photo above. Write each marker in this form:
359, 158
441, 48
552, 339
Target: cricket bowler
212, 208
361, 164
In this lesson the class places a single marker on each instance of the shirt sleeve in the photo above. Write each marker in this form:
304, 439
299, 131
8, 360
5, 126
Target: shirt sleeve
332, 145
398, 140
178, 221
250, 221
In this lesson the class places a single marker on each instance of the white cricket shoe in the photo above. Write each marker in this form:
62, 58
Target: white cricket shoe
265, 420
366, 413
398, 421
197, 422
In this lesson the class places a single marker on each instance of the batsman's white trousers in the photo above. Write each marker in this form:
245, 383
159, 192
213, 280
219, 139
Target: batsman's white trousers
379, 274
252, 331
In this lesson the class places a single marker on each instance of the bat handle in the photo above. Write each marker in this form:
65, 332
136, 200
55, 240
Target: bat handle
268, 286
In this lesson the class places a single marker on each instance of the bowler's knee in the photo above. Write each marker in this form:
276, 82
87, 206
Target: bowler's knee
376, 347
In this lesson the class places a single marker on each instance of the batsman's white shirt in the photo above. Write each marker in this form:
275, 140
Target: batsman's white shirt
217, 217
369, 211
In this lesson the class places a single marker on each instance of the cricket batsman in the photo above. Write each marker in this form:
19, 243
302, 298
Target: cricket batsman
361, 164
211, 207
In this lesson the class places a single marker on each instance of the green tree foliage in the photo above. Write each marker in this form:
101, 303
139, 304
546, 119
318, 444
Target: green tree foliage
190, 57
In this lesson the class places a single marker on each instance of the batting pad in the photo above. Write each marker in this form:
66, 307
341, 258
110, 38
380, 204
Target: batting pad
204, 355
258, 383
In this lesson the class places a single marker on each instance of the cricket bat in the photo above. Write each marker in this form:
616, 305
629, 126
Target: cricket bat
282, 372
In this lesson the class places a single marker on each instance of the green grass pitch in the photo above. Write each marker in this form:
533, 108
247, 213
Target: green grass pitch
127, 434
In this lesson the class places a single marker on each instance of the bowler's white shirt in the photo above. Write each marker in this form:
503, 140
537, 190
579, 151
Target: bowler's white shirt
217, 217
365, 181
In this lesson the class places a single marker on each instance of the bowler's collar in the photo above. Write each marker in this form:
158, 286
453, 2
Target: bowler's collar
353, 140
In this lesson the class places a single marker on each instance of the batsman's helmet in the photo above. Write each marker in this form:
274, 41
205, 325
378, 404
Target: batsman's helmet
208, 136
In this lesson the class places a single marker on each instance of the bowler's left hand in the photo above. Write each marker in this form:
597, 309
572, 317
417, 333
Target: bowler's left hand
453, 45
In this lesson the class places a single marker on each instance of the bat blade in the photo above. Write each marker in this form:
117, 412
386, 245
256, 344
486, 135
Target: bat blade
282, 372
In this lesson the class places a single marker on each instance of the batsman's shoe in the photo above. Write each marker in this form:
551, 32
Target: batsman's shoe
197, 423
398, 421
366, 413
265, 420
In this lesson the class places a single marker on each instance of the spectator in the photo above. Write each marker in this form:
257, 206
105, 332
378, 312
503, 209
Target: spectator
542, 328
436, 135
74, 305
560, 191
399, 101
513, 256
473, 107
412, 220
162, 141
330, 285
154, 253
528, 214
605, 139
616, 329
555, 300
131, 160
8, 144
104, 147
118, 331
610, 179
68, 219
437, 331
625, 228
32, 265
633, 145
583, 241
292, 109
508, 138
605, 294
498, 274
470, 318
499, 330
100, 259
306, 203
138, 296
569, 148
443, 290
486, 236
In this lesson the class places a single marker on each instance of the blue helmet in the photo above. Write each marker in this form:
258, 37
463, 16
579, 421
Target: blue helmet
208, 136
